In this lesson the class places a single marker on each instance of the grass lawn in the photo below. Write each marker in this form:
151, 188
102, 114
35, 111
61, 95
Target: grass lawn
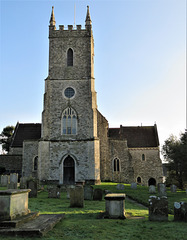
82, 223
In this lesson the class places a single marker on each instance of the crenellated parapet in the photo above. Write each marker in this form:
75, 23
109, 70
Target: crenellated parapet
65, 31
69, 31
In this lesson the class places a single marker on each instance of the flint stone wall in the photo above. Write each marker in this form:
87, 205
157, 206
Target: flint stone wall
151, 167
30, 152
12, 163
85, 155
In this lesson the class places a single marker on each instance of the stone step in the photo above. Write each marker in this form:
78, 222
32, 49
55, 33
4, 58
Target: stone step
19, 220
35, 228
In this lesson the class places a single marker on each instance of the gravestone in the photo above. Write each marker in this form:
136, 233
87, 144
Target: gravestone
120, 187
4, 180
173, 188
12, 185
152, 189
158, 208
14, 203
88, 192
134, 185
180, 211
161, 189
68, 190
77, 196
23, 183
98, 194
31, 184
54, 192
115, 205
107, 192
14, 178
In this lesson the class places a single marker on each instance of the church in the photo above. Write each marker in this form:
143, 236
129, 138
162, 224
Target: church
74, 143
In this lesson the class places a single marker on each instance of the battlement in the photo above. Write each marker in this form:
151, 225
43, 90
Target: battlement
69, 30
53, 31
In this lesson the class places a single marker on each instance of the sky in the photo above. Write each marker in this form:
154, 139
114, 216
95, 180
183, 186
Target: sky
140, 60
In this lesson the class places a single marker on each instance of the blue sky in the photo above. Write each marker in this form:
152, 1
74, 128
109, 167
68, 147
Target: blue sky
140, 60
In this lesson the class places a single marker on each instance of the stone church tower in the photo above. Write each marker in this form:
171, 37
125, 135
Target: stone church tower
74, 142
69, 147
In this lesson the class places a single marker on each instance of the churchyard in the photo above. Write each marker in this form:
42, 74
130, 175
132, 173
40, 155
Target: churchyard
88, 223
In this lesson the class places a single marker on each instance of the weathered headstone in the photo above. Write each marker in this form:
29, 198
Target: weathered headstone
88, 192
12, 185
68, 190
158, 208
4, 180
98, 194
152, 189
115, 205
180, 211
23, 183
120, 187
161, 189
54, 192
14, 178
107, 192
31, 184
173, 188
76, 196
134, 185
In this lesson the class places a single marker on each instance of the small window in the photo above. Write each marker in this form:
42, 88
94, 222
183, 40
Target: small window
116, 166
69, 92
35, 165
143, 157
70, 57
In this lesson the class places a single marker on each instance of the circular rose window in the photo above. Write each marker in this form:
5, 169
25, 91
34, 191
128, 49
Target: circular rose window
69, 92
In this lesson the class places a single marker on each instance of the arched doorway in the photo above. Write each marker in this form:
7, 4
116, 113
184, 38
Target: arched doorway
152, 181
139, 180
68, 170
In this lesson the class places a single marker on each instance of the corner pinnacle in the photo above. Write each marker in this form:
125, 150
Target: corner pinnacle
88, 18
52, 20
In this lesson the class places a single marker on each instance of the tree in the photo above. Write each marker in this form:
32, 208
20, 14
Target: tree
6, 136
175, 154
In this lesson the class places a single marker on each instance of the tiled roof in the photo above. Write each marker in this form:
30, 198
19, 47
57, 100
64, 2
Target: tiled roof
137, 137
25, 131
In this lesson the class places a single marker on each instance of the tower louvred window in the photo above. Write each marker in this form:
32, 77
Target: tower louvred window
69, 121
70, 57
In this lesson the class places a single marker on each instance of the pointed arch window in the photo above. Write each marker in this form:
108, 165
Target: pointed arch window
116, 165
70, 57
143, 157
35, 163
69, 121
